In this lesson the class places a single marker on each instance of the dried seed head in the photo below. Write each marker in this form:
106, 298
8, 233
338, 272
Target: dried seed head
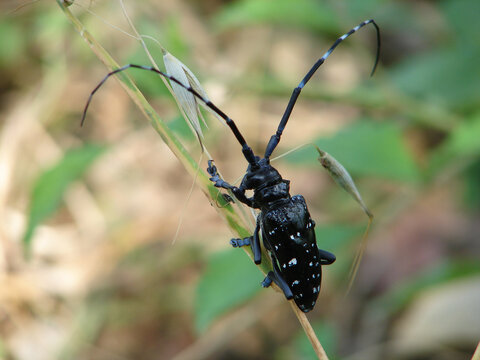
341, 177
185, 99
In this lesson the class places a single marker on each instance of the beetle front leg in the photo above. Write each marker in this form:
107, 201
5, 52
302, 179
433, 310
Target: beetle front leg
253, 241
220, 183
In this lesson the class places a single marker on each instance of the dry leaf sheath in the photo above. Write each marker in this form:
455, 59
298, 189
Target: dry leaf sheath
342, 177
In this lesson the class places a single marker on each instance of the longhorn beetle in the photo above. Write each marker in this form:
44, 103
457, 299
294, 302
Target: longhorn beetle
284, 221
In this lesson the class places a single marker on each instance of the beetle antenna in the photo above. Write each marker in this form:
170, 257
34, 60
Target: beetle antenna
247, 150
275, 139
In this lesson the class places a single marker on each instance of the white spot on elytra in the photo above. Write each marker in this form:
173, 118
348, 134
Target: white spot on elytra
292, 262
292, 237
310, 263
296, 282
298, 233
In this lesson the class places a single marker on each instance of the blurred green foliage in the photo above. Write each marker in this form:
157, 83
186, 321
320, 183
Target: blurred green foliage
13, 42
429, 63
397, 298
366, 149
443, 75
462, 144
50, 186
229, 280
302, 349
309, 14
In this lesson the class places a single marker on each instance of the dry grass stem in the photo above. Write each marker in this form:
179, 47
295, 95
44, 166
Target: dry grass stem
307, 327
476, 355
232, 216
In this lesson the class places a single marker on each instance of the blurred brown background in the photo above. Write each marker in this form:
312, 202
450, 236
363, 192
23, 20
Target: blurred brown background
100, 276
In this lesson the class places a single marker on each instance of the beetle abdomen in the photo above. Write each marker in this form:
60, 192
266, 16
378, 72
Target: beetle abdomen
288, 233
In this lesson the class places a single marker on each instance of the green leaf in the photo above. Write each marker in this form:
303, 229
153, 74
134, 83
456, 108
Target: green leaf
462, 143
52, 183
229, 280
446, 77
307, 14
463, 16
366, 148
472, 190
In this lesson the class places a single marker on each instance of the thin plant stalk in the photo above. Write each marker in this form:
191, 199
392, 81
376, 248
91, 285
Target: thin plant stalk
476, 355
307, 327
226, 210
165, 133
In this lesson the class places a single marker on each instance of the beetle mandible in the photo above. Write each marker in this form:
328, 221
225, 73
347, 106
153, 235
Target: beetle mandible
286, 228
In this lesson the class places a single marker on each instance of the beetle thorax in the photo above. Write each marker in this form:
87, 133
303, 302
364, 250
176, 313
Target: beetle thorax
267, 184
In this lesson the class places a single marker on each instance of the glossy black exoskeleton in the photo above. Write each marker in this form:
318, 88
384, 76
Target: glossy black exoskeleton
286, 227
287, 232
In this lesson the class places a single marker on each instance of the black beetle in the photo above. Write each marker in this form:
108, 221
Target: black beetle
285, 223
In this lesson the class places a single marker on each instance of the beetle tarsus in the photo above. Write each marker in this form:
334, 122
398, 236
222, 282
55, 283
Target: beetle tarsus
240, 242
253, 241
268, 280
276, 277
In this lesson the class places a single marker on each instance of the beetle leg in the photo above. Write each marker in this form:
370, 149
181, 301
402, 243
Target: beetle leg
253, 241
240, 242
276, 277
256, 249
227, 198
326, 258
268, 280
220, 183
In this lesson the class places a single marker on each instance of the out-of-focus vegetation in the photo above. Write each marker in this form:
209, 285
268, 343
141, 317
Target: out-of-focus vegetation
104, 279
